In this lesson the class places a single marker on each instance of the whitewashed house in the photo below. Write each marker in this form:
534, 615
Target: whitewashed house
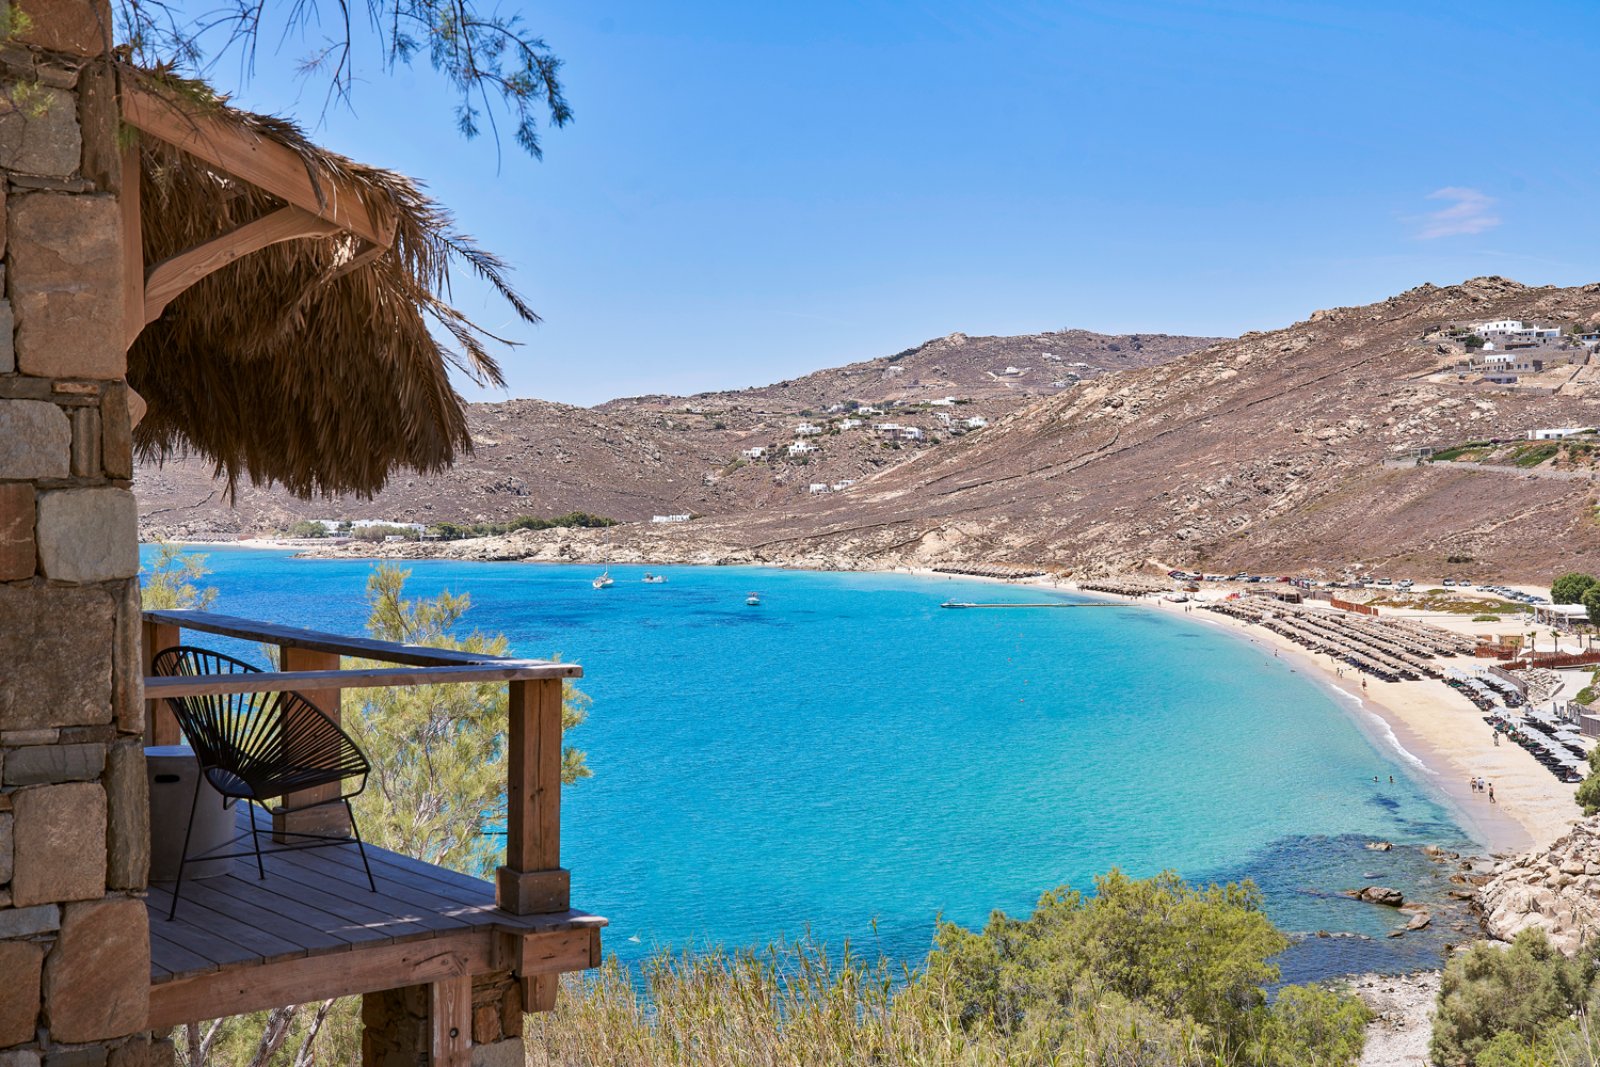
669, 518
1559, 433
800, 448
976, 422
754, 453
807, 429
817, 487
849, 424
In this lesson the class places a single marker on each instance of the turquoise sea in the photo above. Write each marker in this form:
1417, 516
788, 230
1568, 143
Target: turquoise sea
848, 758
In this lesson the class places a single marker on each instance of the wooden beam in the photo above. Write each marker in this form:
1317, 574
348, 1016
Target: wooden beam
529, 954
362, 647
132, 247
532, 880
347, 972
539, 992
170, 277
450, 1022
367, 254
160, 725
365, 678
330, 817
261, 161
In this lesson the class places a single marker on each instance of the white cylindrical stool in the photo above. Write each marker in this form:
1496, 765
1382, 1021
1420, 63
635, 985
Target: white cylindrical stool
172, 770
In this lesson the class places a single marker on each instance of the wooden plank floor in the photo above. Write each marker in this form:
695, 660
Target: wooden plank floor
317, 902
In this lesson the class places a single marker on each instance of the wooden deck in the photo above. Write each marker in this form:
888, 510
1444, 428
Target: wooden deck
312, 929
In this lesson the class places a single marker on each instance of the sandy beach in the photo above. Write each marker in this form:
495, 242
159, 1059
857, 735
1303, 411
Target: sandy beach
1441, 736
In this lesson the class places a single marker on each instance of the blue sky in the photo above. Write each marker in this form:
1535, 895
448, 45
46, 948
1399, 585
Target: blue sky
754, 190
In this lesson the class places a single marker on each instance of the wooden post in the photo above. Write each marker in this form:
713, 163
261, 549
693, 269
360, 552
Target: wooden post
160, 725
532, 881
450, 1022
332, 817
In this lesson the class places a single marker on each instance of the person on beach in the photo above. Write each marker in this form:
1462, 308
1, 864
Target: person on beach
1491, 792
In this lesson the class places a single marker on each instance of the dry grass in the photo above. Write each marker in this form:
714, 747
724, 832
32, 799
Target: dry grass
795, 1006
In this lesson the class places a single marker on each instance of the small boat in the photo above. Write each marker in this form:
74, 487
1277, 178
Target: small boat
604, 581
753, 600
653, 579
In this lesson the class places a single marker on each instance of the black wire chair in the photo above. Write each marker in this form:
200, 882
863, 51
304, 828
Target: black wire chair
258, 747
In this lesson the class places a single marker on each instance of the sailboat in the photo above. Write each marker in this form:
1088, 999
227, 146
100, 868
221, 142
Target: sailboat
604, 581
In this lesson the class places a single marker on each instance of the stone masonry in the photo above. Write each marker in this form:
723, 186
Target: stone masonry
74, 839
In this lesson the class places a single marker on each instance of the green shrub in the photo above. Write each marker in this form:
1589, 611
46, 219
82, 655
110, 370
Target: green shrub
1487, 992
1569, 588
450, 531
1486, 618
1191, 963
1533, 455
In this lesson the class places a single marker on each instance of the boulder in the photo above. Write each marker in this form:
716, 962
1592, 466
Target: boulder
1548, 888
1379, 846
1379, 894
1419, 920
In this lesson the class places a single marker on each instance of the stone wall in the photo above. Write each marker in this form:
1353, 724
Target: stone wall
74, 843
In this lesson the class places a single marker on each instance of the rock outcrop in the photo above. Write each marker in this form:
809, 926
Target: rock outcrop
1556, 889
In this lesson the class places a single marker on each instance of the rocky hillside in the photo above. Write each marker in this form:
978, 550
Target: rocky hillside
1556, 889
1275, 452
630, 459
1009, 369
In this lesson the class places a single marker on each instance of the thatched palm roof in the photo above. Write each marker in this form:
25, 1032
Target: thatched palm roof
282, 368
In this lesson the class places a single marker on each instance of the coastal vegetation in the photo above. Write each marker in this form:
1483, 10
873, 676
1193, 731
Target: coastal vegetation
170, 581
1525, 1005
1150, 971
450, 531
1570, 588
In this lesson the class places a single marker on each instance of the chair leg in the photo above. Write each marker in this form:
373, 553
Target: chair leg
183, 857
361, 845
255, 839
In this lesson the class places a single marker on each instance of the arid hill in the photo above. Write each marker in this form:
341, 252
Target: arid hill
1276, 452
1008, 369
630, 459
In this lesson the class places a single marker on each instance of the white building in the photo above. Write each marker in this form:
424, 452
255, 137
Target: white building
944, 402
818, 487
849, 424
977, 422
800, 448
1497, 326
1559, 433
842, 484
1012, 372
367, 524
669, 518
807, 429
900, 433
868, 409
753, 453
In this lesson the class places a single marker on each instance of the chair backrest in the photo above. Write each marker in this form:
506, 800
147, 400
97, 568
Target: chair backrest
256, 736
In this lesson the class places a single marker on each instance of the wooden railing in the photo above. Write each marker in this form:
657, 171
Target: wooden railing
532, 880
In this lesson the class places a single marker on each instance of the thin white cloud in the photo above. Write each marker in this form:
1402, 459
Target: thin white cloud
1469, 211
